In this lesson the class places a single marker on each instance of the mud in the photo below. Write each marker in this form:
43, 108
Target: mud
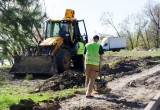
71, 78
29, 104
129, 66
128, 93
149, 82
65, 80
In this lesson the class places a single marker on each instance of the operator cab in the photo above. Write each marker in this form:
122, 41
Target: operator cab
69, 30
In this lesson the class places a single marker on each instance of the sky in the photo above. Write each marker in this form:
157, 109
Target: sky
91, 11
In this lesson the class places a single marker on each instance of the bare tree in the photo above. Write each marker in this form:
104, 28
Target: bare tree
127, 28
140, 24
153, 13
147, 37
106, 19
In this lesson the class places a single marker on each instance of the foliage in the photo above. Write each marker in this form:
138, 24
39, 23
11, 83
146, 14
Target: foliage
19, 26
106, 19
142, 29
152, 11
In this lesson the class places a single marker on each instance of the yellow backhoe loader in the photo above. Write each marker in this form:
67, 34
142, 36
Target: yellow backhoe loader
56, 51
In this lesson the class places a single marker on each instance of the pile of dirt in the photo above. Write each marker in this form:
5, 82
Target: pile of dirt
130, 92
29, 104
129, 66
65, 80
141, 87
126, 66
154, 49
149, 82
140, 48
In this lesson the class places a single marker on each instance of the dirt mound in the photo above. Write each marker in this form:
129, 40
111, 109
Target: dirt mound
154, 49
29, 104
140, 48
150, 82
24, 104
65, 80
130, 66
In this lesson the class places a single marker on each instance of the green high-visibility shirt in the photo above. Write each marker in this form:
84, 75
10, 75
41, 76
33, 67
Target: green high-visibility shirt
80, 48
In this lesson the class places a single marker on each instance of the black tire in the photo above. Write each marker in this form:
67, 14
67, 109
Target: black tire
79, 62
63, 58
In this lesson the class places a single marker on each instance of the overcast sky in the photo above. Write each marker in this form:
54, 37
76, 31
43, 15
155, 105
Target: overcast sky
91, 10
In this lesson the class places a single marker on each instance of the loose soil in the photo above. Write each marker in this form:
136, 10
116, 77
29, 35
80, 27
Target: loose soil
134, 81
65, 80
131, 92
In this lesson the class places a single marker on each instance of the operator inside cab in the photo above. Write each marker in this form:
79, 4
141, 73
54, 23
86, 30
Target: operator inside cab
64, 34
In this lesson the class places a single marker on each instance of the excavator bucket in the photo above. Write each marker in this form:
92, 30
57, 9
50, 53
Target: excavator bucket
34, 65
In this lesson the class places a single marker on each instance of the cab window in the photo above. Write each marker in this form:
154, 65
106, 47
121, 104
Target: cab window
48, 30
55, 29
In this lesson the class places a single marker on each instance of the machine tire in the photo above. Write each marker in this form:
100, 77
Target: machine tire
79, 62
63, 58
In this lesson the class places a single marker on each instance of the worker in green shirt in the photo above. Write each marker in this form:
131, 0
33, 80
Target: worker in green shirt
79, 64
93, 53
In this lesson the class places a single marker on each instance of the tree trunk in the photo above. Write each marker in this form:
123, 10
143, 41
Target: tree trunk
143, 39
137, 38
130, 39
131, 42
147, 38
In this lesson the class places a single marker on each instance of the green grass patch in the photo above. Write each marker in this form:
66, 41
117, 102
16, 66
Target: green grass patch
113, 63
134, 53
3, 78
5, 67
13, 93
10, 94
141, 64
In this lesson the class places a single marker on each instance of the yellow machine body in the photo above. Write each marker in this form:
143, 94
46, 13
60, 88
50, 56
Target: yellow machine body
57, 41
69, 14
54, 53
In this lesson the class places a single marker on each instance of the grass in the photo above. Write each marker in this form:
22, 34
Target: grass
113, 63
3, 78
5, 67
134, 53
126, 53
13, 94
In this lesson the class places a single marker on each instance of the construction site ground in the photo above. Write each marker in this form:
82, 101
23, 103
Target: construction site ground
131, 92
134, 82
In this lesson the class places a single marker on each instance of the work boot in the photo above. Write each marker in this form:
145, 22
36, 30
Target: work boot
102, 91
107, 89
